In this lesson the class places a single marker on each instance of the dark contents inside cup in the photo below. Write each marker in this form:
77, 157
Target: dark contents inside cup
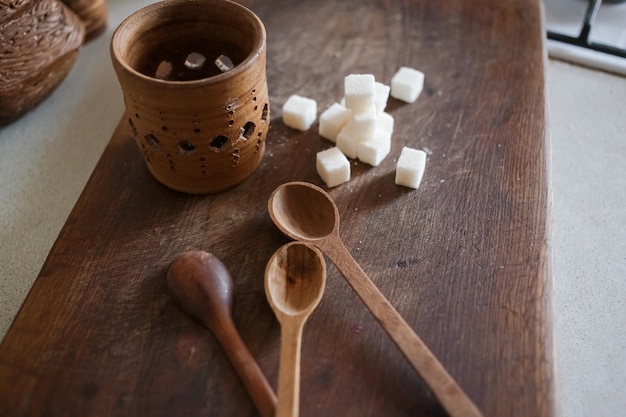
188, 61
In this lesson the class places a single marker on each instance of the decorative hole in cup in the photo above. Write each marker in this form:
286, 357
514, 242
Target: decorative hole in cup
248, 130
218, 143
186, 148
200, 65
153, 141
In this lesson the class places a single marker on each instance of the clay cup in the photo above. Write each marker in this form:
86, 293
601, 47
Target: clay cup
193, 78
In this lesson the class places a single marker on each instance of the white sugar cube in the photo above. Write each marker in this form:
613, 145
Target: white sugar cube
385, 122
381, 95
348, 139
410, 167
332, 120
373, 151
333, 167
407, 84
359, 92
364, 124
299, 112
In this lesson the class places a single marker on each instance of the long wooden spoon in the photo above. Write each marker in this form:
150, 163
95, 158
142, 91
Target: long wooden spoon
307, 213
295, 278
203, 288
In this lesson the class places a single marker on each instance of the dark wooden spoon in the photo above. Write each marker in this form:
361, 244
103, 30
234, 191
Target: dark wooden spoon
203, 288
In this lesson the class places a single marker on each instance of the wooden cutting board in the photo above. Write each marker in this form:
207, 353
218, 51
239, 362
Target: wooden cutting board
463, 259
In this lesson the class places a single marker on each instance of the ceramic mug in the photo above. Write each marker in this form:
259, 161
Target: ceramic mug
195, 91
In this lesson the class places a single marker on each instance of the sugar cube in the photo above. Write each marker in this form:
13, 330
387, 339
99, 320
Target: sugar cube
381, 95
348, 139
333, 167
373, 151
364, 124
385, 122
407, 84
332, 120
359, 92
299, 112
410, 167
224, 63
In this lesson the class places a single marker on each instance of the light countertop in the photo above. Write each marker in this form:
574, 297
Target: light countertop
47, 156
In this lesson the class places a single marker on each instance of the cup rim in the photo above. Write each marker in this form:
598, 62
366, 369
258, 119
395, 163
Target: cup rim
126, 26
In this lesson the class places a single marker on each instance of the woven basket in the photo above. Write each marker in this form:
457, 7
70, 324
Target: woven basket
40, 41
93, 13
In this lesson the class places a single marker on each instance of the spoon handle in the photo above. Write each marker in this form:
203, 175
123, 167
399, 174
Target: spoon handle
445, 388
289, 370
247, 368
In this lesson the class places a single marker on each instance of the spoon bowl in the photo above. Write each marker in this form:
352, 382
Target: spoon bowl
303, 211
307, 213
203, 288
295, 278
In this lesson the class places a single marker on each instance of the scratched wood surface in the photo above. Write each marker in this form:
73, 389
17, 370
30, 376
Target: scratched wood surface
463, 258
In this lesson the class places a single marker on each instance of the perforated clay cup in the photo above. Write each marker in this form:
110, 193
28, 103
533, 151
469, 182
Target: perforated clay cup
195, 91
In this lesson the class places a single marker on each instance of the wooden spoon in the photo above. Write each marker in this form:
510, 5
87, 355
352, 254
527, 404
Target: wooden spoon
295, 278
203, 287
307, 213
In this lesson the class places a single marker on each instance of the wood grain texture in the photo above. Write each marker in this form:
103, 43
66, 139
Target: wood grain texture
435, 376
202, 286
463, 259
295, 279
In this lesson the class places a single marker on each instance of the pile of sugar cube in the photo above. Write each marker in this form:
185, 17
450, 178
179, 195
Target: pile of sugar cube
360, 127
